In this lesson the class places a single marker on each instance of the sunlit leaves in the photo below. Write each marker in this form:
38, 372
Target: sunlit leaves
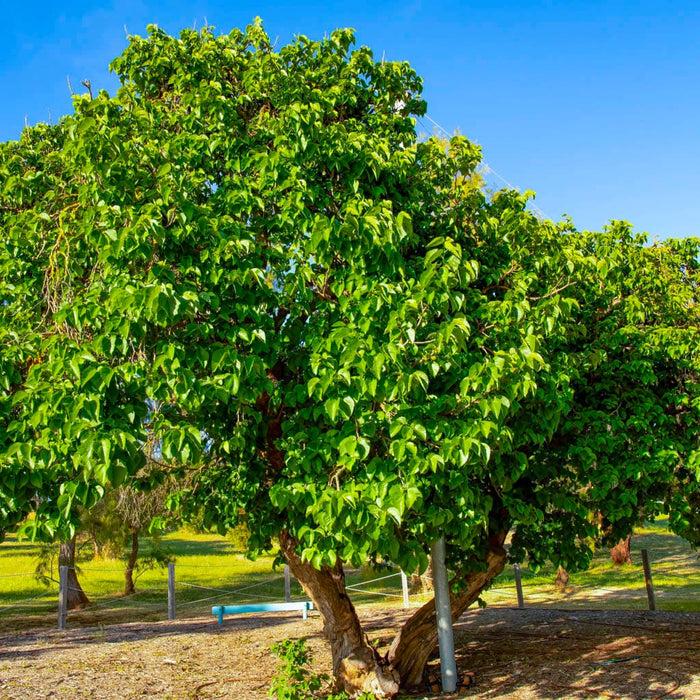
248, 256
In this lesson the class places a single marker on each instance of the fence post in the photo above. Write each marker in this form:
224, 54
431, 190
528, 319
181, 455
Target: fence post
404, 588
647, 580
171, 591
518, 585
62, 596
287, 584
448, 662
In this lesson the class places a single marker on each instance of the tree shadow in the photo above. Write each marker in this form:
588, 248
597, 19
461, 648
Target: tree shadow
545, 652
570, 654
509, 653
36, 643
13, 545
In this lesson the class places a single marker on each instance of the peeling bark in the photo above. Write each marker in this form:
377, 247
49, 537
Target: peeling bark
417, 639
357, 667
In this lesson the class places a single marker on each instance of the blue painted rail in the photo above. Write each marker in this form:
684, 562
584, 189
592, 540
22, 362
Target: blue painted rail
222, 610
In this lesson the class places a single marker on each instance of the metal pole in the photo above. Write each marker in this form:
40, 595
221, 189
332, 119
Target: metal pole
171, 591
287, 584
518, 585
448, 663
62, 596
647, 580
404, 588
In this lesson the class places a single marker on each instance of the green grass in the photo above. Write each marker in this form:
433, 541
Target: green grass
17, 564
203, 562
209, 570
675, 571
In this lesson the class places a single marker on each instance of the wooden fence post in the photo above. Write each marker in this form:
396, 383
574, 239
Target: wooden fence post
287, 584
518, 585
404, 588
62, 596
647, 580
171, 591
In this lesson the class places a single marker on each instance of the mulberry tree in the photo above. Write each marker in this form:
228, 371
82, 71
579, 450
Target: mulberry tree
248, 255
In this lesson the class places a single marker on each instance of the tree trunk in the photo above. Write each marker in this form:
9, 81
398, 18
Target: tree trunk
95, 545
621, 553
562, 579
417, 639
75, 598
357, 667
423, 583
129, 587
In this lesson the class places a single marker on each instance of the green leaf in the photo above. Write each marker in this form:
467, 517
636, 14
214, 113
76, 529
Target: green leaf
332, 406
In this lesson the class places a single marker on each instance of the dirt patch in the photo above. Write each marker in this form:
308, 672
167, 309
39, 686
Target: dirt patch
510, 654
556, 654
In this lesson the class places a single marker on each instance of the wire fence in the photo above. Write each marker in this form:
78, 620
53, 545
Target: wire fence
191, 592
668, 583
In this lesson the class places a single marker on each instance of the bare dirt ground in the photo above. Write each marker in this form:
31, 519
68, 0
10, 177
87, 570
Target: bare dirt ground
509, 654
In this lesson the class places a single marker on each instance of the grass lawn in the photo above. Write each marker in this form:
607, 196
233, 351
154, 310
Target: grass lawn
675, 569
203, 562
209, 571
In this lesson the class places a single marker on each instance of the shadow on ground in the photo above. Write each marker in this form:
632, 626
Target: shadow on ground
564, 654
23, 644
509, 654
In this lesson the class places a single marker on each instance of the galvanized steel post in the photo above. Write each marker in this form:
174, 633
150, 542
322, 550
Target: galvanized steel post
404, 588
171, 591
62, 596
287, 584
443, 609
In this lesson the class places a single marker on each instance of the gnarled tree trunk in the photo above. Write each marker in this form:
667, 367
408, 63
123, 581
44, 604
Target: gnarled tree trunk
129, 587
417, 639
76, 598
621, 553
357, 667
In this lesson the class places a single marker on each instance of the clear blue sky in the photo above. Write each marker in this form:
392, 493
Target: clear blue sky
594, 105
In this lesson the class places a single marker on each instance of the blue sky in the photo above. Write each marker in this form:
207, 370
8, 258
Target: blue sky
593, 105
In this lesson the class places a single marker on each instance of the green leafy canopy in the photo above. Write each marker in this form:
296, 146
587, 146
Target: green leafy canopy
249, 256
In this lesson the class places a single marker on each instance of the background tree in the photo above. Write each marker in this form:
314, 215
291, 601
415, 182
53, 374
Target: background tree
75, 596
138, 505
331, 330
115, 527
52, 556
112, 529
